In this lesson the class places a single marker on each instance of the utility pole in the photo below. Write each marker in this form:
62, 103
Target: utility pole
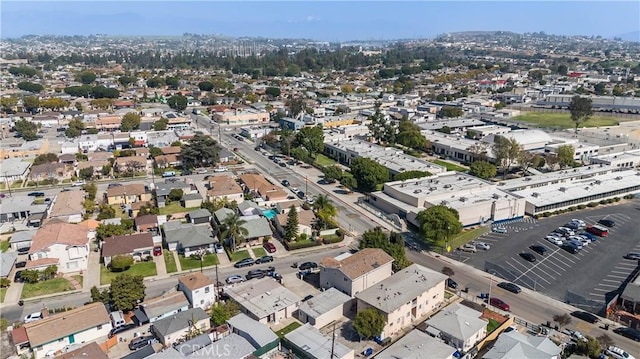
216, 286
333, 341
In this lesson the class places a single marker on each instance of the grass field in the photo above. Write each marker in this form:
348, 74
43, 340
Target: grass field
190, 263
170, 261
322, 160
563, 120
450, 166
259, 251
3, 292
119, 212
239, 255
174, 207
55, 285
145, 269
4, 245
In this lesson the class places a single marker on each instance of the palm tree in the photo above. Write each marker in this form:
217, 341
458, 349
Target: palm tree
325, 210
234, 229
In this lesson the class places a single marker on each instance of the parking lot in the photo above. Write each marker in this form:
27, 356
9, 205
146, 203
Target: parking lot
588, 279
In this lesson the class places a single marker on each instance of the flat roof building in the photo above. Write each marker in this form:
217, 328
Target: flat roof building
307, 342
265, 300
417, 345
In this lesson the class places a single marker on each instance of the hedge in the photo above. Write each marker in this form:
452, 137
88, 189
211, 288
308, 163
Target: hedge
290, 246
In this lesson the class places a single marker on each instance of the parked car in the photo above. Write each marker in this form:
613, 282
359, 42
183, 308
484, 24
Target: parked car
510, 287
264, 259
589, 236
285, 183
586, 316
256, 273
565, 231
483, 246
301, 194
18, 277
157, 251
218, 248
452, 283
468, 248
617, 353
633, 334
234, 279
555, 240
33, 317
630, 255
570, 247
247, 262
499, 303
121, 329
529, 257
23, 250
202, 171
139, 343
607, 222
21, 264
499, 229
269, 247
308, 265
36, 194
538, 249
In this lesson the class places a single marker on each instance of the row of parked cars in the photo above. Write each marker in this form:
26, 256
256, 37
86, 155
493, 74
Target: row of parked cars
572, 237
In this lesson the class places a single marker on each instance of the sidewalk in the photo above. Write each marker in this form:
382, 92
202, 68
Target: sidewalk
176, 257
13, 294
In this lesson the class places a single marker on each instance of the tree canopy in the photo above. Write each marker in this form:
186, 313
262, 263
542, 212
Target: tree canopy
172, 82
200, 151
126, 291
438, 223
234, 230
332, 173
160, 124
75, 128
565, 155
483, 169
177, 102
86, 77
506, 151
272, 91
23, 71
380, 129
205, 85
130, 122
221, 312
311, 139
291, 228
410, 175
409, 135
45, 158
30, 86
581, 109
31, 104
368, 173
451, 111
369, 323
26, 129
392, 244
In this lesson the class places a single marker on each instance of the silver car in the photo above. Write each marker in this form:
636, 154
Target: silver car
235, 279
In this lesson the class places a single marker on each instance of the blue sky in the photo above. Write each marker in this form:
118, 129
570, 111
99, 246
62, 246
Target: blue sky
320, 20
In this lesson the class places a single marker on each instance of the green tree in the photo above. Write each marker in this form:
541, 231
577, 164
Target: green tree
78, 105
563, 69
54, 104
75, 128
126, 291
127, 80
155, 82
104, 92
155, 151
202, 151
50, 272
409, 135
600, 88
172, 82
221, 312
86, 77
332, 173
5, 282
392, 244
451, 111
23, 71
205, 85
130, 122
26, 129
30, 87
30, 276
121, 262
102, 296
295, 105
369, 323
506, 151
86, 173
565, 155
410, 175
31, 104
177, 102
326, 211
45, 158
483, 169
291, 228
286, 139
272, 92
175, 194
368, 173
380, 129
581, 109
104, 231
438, 223
589, 347
311, 139
8, 103
445, 129
234, 230
102, 103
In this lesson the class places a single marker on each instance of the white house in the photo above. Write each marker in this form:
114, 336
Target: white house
459, 326
63, 244
198, 289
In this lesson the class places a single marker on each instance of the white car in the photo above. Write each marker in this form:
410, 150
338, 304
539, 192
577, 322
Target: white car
220, 169
483, 245
202, 171
218, 247
33, 317
555, 240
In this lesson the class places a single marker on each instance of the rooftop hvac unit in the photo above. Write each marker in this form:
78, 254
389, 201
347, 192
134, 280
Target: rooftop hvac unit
618, 178
535, 194
447, 186
417, 191
433, 188
462, 199
496, 196
563, 189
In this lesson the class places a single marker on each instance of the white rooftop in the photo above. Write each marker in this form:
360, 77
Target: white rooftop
459, 321
455, 140
324, 302
414, 345
262, 297
455, 123
315, 344
567, 175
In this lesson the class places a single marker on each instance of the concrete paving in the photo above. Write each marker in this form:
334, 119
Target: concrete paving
161, 266
176, 257
92, 275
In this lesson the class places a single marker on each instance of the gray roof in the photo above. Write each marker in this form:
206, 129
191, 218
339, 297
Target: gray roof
170, 353
458, 321
232, 346
248, 204
324, 302
19, 203
258, 334
23, 236
6, 263
168, 303
189, 235
257, 227
315, 344
191, 197
516, 345
414, 345
252, 295
163, 189
402, 287
141, 353
194, 344
179, 321
222, 214
199, 213
14, 167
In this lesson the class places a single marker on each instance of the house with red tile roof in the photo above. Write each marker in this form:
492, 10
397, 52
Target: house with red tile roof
63, 244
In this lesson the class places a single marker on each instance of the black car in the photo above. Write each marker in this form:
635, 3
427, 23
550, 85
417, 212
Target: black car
452, 283
541, 250
264, 259
586, 316
510, 287
23, 250
18, 277
569, 248
286, 183
21, 264
256, 273
301, 194
186, 173
308, 265
633, 334
247, 262
121, 329
36, 194
139, 343
528, 257
607, 222
307, 298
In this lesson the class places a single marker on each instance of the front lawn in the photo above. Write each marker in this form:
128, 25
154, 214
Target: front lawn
239, 255
288, 329
4, 245
3, 292
493, 325
145, 269
120, 213
563, 120
55, 285
170, 261
188, 263
175, 207
259, 252
450, 166
322, 160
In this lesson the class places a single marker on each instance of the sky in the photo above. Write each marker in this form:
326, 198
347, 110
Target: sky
318, 20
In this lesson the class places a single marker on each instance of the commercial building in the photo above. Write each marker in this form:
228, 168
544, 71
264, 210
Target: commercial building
457, 147
629, 159
353, 273
241, 116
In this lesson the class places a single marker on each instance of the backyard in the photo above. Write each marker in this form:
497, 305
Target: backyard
175, 207
55, 285
288, 329
3, 292
170, 261
563, 120
189, 263
145, 269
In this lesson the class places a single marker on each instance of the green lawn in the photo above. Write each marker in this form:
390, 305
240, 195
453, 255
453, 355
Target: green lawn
4, 245
38, 201
239, 255
563, 120
145, 269
190, 263
259, 251
78, 279
55, 285
288, 329
175, 207
119, 212
493, 325
462, 238
450, 166
16, 185
170, 261
322, 160
3, 292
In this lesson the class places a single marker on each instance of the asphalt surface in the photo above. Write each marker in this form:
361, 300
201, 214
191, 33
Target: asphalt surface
589, 278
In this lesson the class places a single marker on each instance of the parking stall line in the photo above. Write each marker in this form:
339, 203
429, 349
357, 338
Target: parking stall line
597, 296
558, 266
551, 269
601, 290
608, 285
617, 276
626, 266
621, 272
531, 269
563, 259
612, 281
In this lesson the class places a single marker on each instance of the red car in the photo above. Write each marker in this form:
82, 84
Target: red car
498, 303
270, 247
157, 251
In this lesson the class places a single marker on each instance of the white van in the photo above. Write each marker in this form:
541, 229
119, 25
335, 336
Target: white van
618, 353
117, 319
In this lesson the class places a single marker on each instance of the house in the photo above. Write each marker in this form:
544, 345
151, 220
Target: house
20, 208
63, 244
405, 296
353, 273
261, 337
7, 260
189, 347
284, 206
14, 169
21, 239
224, 187
133, 164
69, 206
192, 200
260, 186
146, 223
307, 342
171, 150
91, 350
163, 189
459, 326
139, 246
143, 353
264, 300
232, 346
188, 239
54, 170
162, 307
175, 327
84, 324
327, 307
257, 229
226, 156
199, 216
166, 161
199, 290
135, 207
416, 342
306, 218
249, 208
127, 193
517, 345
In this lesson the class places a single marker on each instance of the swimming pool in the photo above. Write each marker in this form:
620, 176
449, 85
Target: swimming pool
270, 213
